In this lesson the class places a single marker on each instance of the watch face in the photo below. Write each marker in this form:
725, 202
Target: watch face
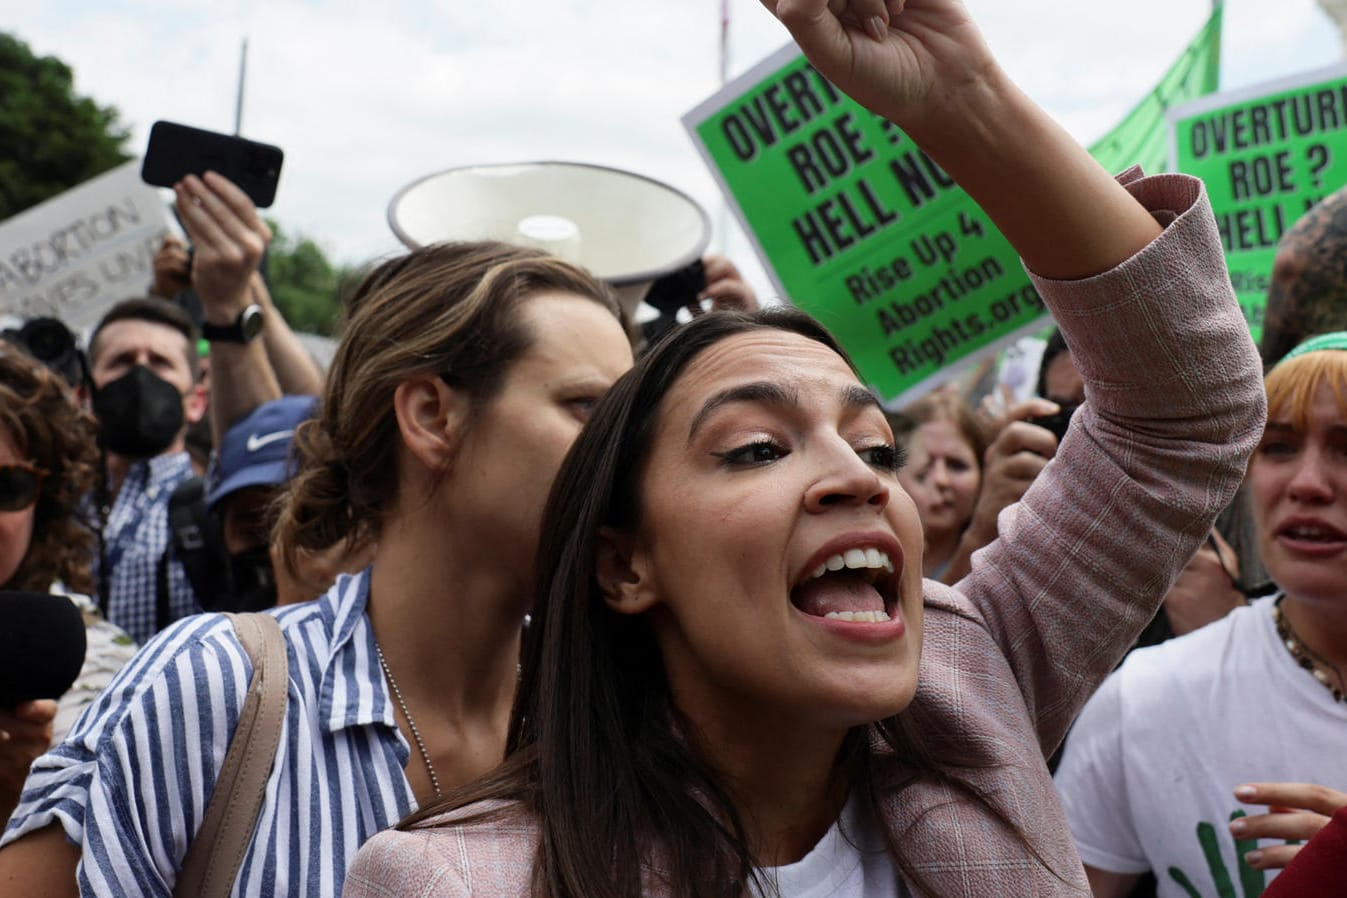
250, 322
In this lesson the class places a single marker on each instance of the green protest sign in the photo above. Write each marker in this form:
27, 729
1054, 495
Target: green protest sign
1267, 154
858, 227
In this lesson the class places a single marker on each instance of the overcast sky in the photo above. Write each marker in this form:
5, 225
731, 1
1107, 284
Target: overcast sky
365, 98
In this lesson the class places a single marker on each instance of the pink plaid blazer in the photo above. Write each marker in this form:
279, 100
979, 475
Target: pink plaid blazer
1011, 654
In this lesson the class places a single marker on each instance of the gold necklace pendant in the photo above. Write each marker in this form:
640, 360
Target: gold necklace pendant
1305, 656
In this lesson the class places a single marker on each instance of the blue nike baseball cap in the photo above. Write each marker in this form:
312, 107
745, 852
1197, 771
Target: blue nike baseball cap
256, 450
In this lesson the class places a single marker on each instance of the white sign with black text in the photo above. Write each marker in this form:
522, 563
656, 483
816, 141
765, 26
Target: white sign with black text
76, 254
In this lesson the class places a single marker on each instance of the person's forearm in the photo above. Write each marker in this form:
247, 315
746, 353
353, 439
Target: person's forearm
296, 371
1065, 215
1152, 458
241, 379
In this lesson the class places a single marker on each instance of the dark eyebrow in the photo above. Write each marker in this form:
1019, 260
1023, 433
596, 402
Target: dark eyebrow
856, 396
853, 396
759, 391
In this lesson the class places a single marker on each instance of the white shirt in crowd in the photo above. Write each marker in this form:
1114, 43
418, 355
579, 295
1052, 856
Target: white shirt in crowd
1150, 768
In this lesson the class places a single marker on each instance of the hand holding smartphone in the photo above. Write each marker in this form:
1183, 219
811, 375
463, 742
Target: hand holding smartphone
176, 151
1057, 423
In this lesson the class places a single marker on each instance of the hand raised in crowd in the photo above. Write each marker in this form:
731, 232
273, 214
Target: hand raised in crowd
172, 268
725, 286
25, 733
229, 239
896, 58
923, 65
1296, 811
1015, 457
1204, 591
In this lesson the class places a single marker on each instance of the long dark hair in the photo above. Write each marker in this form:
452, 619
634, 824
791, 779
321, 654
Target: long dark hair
596, 750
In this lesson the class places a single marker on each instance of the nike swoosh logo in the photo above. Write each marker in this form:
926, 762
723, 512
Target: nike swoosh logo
256, 442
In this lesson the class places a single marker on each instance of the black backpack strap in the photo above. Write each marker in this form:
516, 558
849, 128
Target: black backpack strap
195, 541
163, 608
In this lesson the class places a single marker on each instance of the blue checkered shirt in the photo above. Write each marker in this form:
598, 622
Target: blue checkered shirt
135, 539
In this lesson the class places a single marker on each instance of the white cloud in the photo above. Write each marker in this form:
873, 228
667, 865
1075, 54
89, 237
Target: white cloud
367, 98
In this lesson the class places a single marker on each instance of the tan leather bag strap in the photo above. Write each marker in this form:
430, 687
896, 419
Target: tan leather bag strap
213, 859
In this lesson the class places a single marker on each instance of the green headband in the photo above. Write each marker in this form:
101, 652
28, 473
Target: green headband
1335, 340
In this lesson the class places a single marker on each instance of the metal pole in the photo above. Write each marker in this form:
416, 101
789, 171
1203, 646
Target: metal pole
722, 214
243, 75
724, 41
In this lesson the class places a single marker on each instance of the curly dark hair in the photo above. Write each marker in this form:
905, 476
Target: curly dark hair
40, 416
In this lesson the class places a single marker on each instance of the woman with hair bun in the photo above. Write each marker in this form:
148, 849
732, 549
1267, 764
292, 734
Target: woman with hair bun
465, 373
1256, 698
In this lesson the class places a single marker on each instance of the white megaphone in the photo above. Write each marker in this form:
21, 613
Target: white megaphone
625, 228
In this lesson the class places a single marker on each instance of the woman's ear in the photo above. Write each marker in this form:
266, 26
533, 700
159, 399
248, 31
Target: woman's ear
623, 573
431, 416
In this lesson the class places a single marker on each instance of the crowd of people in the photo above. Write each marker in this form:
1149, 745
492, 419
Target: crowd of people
567, 612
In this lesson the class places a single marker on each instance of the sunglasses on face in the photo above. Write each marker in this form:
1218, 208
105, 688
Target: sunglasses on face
19, 486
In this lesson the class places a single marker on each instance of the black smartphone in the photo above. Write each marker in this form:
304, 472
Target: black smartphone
677, 289
1056, 423
176, 151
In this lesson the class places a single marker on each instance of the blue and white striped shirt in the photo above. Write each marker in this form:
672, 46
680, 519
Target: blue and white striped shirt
131, 782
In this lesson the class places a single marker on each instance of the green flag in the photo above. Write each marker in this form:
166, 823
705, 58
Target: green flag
1142, 137
858, 227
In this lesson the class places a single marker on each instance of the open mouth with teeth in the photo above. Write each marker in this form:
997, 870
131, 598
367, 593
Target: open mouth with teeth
858, 585
1312, 533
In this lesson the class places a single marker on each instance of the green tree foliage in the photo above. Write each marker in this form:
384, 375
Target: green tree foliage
50, 138
304, 284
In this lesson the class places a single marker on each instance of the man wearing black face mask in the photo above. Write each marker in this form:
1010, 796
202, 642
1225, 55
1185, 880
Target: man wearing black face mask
144, 374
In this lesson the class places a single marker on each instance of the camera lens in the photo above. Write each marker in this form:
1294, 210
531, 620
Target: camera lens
47, 339
50, 342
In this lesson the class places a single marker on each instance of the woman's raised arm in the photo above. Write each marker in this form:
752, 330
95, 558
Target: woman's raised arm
924, 66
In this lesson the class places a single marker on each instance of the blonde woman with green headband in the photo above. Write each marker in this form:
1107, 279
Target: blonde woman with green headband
1187, 738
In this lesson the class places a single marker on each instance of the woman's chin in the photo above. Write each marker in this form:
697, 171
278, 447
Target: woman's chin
863, 706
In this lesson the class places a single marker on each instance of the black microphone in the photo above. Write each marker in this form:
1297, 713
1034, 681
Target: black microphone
42, 646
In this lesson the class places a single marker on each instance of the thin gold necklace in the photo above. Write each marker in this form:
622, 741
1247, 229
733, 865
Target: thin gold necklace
411, 724
1305, 656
